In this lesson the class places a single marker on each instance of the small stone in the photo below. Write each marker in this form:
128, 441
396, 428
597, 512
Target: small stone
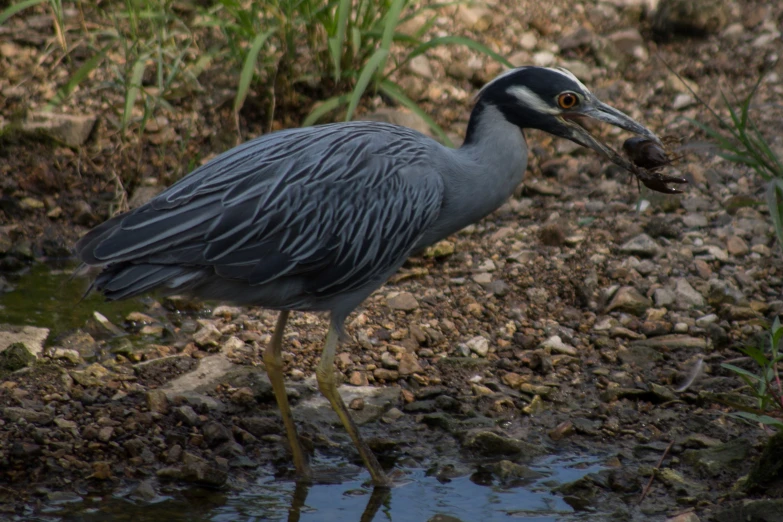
682, 101
556, 344
483, 278
628, 299
404, 301
207, 336
737, 246
382, 374
358, 378
215, 434
420, 66
186, 415
101, 470
562, 430
105, 433
409, 364
440, 249
478, 345
357, 404
389, 361
15, 414
703, 322
641, 245
157, 402
686, 296
474, 18
71, 130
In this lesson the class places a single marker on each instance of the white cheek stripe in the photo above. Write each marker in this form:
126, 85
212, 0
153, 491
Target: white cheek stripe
530, 99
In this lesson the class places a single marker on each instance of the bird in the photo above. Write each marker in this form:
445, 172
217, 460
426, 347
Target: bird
317, 218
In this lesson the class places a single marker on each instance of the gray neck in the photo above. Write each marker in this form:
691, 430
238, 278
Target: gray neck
482, 174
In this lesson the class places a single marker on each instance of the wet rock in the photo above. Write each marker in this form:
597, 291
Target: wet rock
628, 299
199, 471
679, 484
32, 337
261, 426
768, 469
157, 401
93, 375
426, 406
215, 434
506, 470
562, 430
186, 415
404, 301
642, 246
162, 369
490, 444
15, 414
723, 458
15, 357
762, 510
208, 336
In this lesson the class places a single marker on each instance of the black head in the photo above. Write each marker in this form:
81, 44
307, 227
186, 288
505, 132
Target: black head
552, 100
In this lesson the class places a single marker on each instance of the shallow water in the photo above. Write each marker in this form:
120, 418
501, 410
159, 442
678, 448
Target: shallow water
50, 298
415, 497
54, 299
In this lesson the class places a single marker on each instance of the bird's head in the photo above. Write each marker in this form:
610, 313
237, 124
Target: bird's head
555, 101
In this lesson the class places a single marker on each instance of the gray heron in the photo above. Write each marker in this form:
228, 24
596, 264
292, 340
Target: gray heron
317, 218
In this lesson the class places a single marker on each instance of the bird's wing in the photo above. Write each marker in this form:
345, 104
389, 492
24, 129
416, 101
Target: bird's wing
339, 208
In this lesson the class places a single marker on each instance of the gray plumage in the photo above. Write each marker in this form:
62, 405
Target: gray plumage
317, 218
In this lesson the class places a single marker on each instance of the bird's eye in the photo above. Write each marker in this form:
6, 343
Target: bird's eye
568, 100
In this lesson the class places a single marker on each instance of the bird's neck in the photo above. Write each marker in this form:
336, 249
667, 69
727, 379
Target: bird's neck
483, 173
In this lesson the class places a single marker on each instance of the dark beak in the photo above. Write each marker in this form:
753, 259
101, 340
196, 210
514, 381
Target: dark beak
598, 111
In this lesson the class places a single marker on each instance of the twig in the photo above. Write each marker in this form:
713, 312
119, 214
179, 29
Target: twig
652, 476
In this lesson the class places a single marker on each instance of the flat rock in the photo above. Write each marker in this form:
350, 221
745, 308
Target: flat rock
404, 301
673, 342
71, 130
491, 444
642, 246
376, 402
628, 299
686, 296
32, 337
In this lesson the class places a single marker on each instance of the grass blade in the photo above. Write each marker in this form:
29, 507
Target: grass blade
337, 43
393, 91
373, 64
249, 68
775, 204
132, 92
324, 108
13, 9
80, 74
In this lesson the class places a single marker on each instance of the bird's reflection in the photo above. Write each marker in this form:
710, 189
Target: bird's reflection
378, 497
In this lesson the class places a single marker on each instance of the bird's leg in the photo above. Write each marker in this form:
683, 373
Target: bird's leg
274, 368
328, 386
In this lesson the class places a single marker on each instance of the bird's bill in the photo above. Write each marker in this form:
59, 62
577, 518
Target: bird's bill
603, 113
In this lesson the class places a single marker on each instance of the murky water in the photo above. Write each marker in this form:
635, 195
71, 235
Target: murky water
51, 299
54, 299
416, 497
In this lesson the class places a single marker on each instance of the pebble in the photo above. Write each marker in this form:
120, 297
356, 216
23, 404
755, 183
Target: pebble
686, 296
641, 245
478, 345
404, 301
556, 344
628, 299
409, 364
737, 246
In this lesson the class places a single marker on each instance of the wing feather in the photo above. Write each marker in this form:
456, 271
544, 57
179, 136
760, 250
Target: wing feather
328, 206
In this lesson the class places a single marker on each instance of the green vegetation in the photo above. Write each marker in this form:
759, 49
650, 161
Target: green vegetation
335, 51
740, 141
764, 384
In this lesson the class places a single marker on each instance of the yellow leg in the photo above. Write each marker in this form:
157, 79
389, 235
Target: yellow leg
328, 386
274, 368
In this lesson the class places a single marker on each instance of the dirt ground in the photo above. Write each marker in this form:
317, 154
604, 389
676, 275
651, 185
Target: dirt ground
573, 319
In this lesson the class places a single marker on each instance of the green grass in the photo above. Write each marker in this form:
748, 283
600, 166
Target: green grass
740, 141
763, 384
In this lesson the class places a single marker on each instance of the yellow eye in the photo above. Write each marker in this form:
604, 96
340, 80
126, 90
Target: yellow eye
568, 100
